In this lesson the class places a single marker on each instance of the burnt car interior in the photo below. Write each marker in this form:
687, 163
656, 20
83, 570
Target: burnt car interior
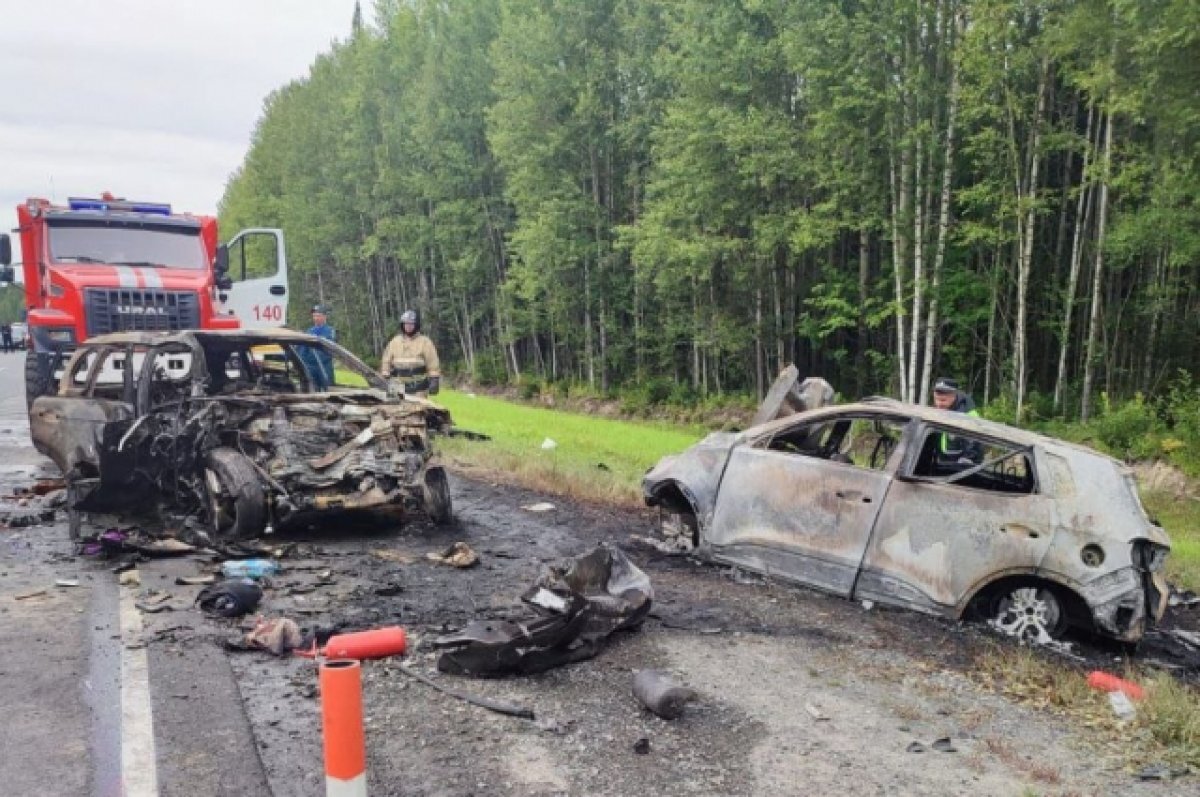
989, 465
862, 441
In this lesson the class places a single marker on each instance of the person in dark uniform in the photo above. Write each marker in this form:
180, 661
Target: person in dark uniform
318, 361
6, 336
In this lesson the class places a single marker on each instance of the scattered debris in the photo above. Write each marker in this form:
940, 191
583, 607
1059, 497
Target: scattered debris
47, 486
195, 581
27, 595
277, 636
915, 747
660, 694
107, 544
458, 555
541, 506
549, 445
944, 745
394, 556
250, 568
1185, 598
1107, 682
642, 746
378, 643
154, 601
579, 606
672, 545
66, 582
1189, 638
130, 578
498, 706
164, 547
389, 590
231, 598
1161, 771
868, 605
815, 712
1122, 706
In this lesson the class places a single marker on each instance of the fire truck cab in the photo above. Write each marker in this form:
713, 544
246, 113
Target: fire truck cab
95, 266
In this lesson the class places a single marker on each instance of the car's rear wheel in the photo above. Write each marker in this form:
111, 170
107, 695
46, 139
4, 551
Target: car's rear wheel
437, 496
237, 506
1030, 612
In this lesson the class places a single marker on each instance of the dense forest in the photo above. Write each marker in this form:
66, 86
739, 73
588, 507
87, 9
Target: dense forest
689, 194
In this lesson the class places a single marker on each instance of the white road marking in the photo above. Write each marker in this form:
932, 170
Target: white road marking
139, 769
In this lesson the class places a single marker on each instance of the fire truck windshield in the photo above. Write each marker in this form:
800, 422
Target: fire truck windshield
126, 244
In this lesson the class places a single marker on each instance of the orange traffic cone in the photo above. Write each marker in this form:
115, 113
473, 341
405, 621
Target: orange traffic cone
342, 727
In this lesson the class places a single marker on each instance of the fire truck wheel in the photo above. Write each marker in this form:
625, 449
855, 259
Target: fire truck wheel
237, 507
37, 382
437, 496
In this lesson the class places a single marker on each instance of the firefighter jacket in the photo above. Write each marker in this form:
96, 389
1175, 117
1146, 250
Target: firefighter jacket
410, 359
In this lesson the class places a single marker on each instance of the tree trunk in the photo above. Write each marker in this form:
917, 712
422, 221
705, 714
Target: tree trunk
864, 273
1089, 361
918, 280
939, 257
1026, 251
899, 205
1082, 212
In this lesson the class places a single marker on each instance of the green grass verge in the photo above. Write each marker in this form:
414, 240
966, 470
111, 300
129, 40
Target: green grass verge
594, 458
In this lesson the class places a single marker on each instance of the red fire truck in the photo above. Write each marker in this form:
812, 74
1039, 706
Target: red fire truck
102, 265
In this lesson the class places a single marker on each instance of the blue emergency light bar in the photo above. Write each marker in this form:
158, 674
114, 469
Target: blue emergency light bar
80, 203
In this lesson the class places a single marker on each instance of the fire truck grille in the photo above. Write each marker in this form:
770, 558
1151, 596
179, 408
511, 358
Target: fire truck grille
118, 310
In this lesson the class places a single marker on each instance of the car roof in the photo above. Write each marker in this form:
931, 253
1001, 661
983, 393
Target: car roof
946, 418
253, 337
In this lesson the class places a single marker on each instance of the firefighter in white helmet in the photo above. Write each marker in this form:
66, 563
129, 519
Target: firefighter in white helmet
411, 359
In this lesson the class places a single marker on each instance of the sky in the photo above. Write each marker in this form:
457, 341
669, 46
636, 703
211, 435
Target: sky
150, 99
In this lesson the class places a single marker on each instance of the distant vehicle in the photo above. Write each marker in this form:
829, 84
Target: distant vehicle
857, 500
229, 426
95, 266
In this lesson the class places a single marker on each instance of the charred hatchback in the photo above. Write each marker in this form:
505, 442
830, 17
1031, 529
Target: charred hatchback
861, 500
243, 429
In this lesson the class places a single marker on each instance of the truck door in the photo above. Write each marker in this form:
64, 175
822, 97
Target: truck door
258, 267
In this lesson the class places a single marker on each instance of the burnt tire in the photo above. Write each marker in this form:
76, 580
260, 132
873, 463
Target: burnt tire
436, 493
37, 377
236, 503
1029, 611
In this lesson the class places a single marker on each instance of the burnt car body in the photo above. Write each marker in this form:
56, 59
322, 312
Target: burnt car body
230, 426
1034, 534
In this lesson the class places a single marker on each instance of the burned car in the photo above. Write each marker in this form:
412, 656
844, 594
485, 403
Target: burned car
860, 500
234, 428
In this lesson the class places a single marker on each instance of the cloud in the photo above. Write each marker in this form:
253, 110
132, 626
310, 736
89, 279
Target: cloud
150, 100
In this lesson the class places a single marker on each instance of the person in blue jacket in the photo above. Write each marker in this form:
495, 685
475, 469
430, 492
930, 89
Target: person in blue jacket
319, 362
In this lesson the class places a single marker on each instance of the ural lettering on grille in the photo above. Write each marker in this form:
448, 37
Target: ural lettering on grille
117, 310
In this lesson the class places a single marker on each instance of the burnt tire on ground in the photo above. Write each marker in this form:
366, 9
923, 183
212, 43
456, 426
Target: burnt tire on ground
437, 496
1028, 610
237, 506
